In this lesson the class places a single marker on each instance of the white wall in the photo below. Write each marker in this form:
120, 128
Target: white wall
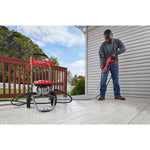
134, 65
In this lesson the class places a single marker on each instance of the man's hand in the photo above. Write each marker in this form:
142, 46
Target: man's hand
113, 56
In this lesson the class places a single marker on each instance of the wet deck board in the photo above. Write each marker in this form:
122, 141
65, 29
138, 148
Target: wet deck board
109, 111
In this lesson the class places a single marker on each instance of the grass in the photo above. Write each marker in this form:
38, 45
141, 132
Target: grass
17, 91
12, 90
61, 95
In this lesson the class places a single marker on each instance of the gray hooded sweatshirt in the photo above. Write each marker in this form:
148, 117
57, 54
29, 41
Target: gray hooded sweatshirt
107, 49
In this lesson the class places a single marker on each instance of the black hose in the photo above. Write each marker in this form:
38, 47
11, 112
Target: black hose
16, 102
65, 93
92, 97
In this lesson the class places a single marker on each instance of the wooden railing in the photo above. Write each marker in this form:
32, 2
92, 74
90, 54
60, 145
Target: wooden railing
14, 74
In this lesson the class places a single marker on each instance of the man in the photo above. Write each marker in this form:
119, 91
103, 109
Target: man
110, 47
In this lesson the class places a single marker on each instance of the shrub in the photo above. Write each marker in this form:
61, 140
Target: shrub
79, 88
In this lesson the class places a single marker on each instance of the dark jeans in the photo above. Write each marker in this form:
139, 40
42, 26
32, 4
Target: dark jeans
115, 77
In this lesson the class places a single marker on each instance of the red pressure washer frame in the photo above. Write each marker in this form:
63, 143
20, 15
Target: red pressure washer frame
40, 63
40, 82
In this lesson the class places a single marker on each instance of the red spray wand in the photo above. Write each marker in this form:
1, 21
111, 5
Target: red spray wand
110, 59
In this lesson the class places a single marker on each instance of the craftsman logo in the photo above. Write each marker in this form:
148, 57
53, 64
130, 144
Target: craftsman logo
41, 63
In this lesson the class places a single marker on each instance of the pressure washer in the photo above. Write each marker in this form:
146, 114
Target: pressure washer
44, 89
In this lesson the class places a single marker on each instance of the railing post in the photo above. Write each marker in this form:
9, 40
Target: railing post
65, 79
24, 79
9, 78
54, 79
42, 74
45, 74
19, 75
28, 80
62, 80
14, 79
3, 78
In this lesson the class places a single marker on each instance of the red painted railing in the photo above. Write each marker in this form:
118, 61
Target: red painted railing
14, 72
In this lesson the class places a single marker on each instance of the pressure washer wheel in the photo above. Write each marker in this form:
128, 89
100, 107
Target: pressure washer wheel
52, 99
28, 100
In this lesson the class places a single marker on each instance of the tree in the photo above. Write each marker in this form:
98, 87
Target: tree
75, 78
81, 77
69, 76
14, 44
73, 82
54, 60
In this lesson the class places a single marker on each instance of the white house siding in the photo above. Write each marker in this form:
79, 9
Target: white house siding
134, 64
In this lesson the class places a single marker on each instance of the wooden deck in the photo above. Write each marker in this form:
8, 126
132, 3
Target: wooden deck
109, 111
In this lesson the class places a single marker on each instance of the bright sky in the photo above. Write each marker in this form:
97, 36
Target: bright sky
64, 42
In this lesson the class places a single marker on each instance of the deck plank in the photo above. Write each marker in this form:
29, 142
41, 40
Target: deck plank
143, 117
81, 111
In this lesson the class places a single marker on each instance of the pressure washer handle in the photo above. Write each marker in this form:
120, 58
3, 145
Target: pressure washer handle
107, 63
39, 55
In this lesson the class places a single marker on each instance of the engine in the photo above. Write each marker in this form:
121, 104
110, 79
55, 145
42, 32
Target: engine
43, 87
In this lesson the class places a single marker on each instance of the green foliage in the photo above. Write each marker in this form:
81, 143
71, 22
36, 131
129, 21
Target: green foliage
75, 78
79, 88
54, 60
81, 77
14, 44
73, 82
